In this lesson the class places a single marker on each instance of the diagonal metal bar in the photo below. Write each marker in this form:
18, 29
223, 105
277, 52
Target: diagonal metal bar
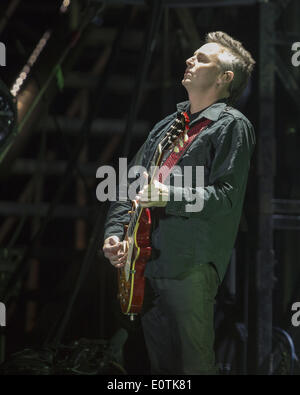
83, 136
57, 331
188, 24
143, 67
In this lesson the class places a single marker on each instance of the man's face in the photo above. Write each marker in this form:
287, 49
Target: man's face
203, 68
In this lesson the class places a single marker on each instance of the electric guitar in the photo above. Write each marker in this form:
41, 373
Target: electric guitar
137, 240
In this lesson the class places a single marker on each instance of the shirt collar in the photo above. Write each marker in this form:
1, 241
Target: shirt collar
212, 112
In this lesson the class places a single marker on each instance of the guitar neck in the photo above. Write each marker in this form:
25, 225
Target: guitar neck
154, 163
171, 138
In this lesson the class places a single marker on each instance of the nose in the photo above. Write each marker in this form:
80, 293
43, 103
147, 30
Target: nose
189, 61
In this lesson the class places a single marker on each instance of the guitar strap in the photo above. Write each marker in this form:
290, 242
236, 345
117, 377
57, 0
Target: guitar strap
174, 157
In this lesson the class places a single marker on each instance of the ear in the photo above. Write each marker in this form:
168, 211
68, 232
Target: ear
228, 76
225, 77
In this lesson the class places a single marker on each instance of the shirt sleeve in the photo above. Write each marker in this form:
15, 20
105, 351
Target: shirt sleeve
233, 148
117, 214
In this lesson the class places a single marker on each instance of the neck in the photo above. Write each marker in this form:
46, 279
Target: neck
200, 101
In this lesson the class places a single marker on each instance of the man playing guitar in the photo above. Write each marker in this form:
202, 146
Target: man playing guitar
194, 247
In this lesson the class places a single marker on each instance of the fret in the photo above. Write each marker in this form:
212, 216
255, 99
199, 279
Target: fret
132, 272
174, 136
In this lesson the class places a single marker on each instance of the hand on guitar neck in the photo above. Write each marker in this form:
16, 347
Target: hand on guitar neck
114, 251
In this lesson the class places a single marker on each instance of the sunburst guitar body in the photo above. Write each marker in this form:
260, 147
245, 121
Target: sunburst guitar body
131, 277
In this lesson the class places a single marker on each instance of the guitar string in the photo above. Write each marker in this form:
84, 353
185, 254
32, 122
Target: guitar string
173, 131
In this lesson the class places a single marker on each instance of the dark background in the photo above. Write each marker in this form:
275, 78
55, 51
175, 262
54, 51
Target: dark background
87, 74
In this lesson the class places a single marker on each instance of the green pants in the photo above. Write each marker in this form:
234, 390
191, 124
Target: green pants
178, 322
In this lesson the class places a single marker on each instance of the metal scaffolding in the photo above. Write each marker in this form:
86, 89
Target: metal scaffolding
273, 214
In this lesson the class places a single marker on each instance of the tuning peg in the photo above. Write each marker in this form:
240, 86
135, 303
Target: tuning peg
176, 149
180, 142
185, 137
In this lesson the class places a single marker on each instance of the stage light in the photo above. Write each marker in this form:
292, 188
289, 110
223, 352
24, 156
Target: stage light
32, 59
64, 6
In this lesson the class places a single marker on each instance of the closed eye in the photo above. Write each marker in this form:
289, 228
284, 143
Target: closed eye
202, 58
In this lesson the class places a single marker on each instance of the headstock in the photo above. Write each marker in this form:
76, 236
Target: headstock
177, 135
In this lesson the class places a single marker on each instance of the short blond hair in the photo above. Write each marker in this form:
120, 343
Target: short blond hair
240, 61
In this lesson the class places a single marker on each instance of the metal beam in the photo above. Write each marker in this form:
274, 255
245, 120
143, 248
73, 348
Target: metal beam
205, 3
30, 100
40, 209
188, 24
120, 84
264, 276
58, 167
192, 3
288, 222
132, 39
286, 206
99, 126
144, 63
96, 101
8, 13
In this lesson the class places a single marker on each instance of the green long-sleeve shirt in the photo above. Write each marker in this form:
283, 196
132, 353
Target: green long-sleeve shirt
185, 238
